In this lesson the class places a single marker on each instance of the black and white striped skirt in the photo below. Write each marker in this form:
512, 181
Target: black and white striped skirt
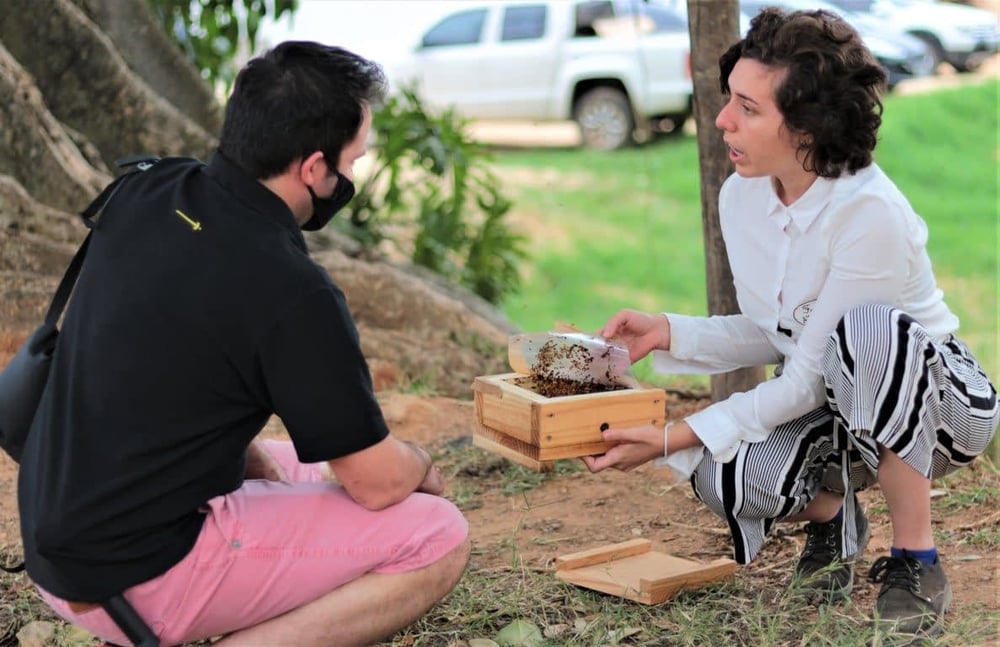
888, 383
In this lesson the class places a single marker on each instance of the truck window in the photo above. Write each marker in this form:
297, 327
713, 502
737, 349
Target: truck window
665, 20
523, 23
463, 28
588, 12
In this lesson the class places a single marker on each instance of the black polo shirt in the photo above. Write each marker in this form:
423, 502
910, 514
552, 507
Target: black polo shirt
198, 314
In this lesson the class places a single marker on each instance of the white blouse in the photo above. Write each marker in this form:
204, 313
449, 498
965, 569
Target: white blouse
797, 271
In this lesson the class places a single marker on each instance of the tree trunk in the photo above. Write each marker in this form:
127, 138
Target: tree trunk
133, 29
714, 26
36, 151
84, 105
87, 85
34, 239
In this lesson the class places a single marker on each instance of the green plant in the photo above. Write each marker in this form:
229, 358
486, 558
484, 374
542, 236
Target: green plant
431, 194
211, 32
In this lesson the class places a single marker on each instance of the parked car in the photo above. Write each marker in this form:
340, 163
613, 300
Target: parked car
961, 35
620, 69
902, 56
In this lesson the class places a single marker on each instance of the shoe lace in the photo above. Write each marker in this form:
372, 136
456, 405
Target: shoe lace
821, 540
896, 572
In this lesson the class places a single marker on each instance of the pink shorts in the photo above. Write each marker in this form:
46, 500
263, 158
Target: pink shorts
270, 547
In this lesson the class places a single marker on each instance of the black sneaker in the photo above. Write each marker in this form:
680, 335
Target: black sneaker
914, 596
824, 574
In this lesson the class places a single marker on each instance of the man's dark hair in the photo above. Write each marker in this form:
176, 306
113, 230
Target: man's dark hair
831, 92
298, 98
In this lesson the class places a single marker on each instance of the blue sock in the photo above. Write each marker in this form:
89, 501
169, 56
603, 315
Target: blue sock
839, 516
929, 556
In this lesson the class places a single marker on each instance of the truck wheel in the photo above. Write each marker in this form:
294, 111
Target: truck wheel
672, 125
934, 49
605, 119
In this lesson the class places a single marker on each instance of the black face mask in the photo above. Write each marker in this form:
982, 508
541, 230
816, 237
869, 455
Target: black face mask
324, 209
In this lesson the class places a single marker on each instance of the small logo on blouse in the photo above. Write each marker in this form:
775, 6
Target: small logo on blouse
802, 311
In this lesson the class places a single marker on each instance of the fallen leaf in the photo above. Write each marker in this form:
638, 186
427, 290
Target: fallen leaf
619, 635
519, 633
36, 634
72, 636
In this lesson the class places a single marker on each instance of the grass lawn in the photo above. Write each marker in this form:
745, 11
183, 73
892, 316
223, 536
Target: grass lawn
623, 229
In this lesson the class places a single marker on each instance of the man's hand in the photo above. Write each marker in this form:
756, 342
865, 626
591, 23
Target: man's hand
387, 472
261, 465
636, 445
433, 482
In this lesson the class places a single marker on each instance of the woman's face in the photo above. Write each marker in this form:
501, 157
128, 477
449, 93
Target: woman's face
754, 129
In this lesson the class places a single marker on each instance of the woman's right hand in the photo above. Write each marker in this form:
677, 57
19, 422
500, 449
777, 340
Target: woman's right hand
635, 446
642, 332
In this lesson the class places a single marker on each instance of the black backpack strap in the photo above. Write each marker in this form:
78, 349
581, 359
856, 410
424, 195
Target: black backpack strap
135, 164
12, 569
68, 281
61, 296
129, 621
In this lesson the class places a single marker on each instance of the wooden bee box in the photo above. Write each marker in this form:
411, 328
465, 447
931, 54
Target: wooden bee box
534, 430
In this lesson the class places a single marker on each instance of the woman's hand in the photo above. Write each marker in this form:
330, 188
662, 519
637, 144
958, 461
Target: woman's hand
642, 332
636, 445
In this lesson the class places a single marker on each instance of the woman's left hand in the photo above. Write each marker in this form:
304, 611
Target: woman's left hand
636, 445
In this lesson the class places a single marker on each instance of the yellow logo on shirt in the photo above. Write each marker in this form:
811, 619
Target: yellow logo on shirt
195, 225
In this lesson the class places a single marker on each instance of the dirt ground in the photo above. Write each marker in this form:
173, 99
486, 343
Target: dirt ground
579, 510
575, 510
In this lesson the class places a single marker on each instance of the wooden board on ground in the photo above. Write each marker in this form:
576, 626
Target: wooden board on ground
633, 570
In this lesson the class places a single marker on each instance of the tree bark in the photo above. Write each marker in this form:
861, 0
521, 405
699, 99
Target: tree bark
61, 130
20, 212
34, 240
133, 28
714, 26
432, 333
87, 84
35, 150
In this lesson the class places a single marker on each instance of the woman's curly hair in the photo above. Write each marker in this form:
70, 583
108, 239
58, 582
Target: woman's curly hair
831, 92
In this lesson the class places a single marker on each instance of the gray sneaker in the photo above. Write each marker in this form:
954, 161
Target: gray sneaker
913, 598
823, 573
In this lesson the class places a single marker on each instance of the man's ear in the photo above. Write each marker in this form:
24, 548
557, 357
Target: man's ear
313, 168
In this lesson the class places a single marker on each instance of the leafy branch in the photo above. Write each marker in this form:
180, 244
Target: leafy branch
431, 190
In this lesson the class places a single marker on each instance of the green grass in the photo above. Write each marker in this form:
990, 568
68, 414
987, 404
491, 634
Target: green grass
623, 229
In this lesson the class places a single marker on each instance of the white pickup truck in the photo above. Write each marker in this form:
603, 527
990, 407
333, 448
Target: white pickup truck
618, 68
